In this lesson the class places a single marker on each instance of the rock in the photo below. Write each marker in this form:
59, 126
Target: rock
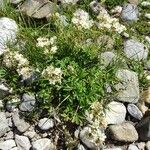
145, 3
143, 128
90, 137
146, 96
124, 132
135, 2
128, 88
46, 124
3, 124
15, 148
147, 38
12, 104
19, 123
134, 111
9, 121
4, 91
147, 145
15, 1
1, 4
141, 145
147, 16
142, 107
115, 113
114, 148
135, 50
28, 103
30, 134
42, 144
132, 147
7, 145
107, 58
8, 31
1, 104
9, 136
80, 147
96, 7
38, 8
22, 142
129, 12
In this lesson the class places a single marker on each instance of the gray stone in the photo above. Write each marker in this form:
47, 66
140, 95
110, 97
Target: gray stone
22, 142
147, 145
69, 1
134, 111
114, 148
96, 7
124, 132
4, 91
107, 58
38, 8
143, 128
3, 124
20, 124
30, 134
141, 145
28, 103
9, 121
80, 147
8, 31
7, 145
46, 124
91, 141
135, 50
132, 147
9, 136
128, 87
129, 12
115, 113
42, 144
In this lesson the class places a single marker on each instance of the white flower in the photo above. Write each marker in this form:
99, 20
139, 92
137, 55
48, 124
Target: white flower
42, 42
53, 49
105, 21
52, 74
53, 40
81, 19
25, 72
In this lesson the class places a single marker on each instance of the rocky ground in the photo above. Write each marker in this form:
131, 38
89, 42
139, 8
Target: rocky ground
127, 115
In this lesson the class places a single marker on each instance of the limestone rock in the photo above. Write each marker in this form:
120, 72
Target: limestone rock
115, 113
7, 145
3, 124
38, 8
128, 87
20, 123
129, 12
124, 132
143, 128
135, 50
22, 142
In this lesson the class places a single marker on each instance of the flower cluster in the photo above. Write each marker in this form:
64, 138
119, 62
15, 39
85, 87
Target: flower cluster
16, 60
70, 1
49, 45
52, 74
81, 19
110, 23
97, 121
